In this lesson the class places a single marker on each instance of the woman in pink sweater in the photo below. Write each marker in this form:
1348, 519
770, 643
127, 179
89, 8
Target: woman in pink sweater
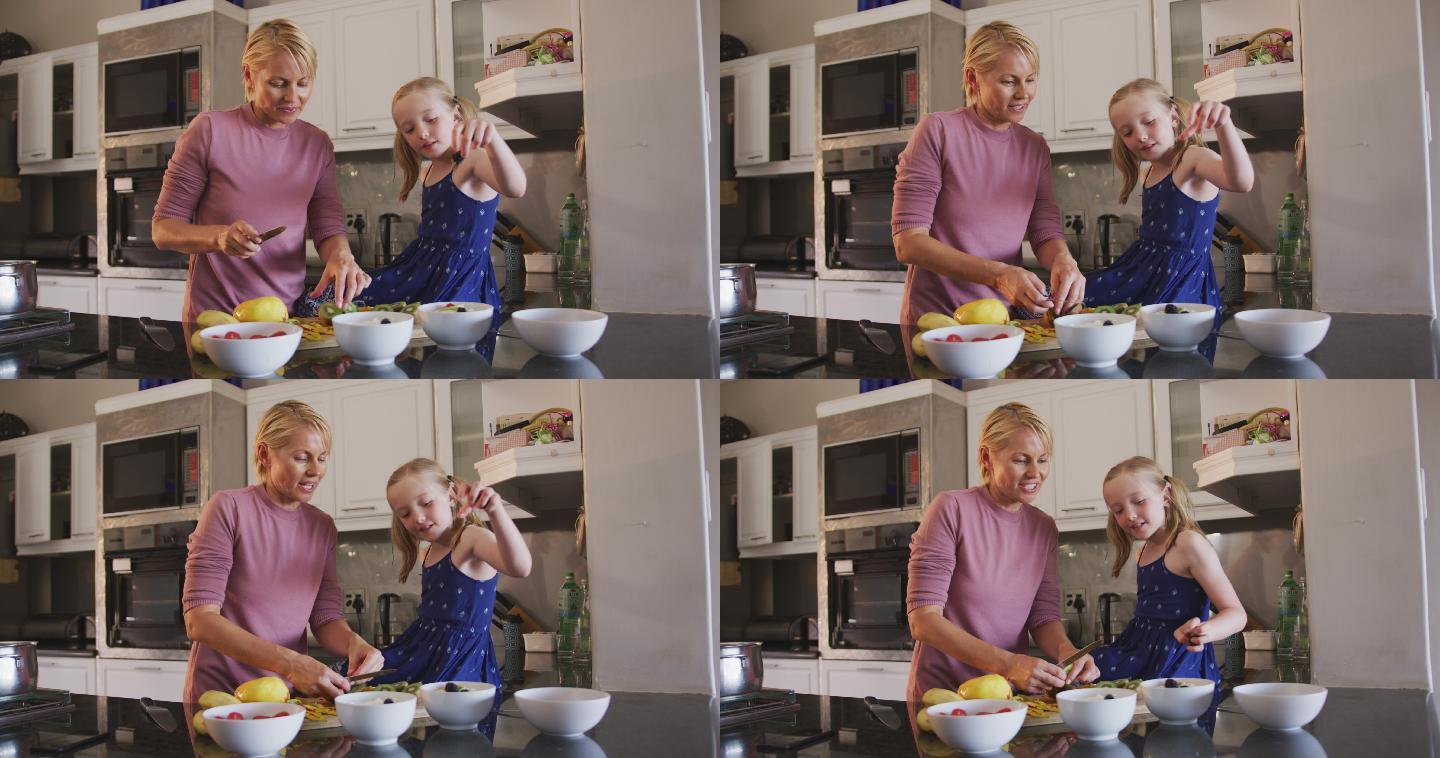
973, 183
239, 172
982, 571
261, 569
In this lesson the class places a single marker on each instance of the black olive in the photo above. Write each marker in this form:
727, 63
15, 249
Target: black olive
461, 309
452, 687
389, 701
1172, 684
384, 320
1172, 308
1109, 697
1108, 322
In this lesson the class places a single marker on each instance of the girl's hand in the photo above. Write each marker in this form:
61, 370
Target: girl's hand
350, 280
1034, 675
471, 134
238, 240
364, 658
474, 496
1083, 670
315, 679
1067, 284
1193, 635
1022, 288
1204, 115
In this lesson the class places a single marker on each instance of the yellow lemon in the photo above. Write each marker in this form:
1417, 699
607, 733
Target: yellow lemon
988, 687
938, 695
197, 343
922, 720
199, 722
268, 308
212, 698
987, 311
917, 345
935, 321
266, 689
207, 319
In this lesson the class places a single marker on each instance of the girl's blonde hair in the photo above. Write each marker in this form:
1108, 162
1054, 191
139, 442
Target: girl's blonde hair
1178, 515
408, 544
985, 47
1125, 161
278, 37
406, 158
281, 421
1005, 422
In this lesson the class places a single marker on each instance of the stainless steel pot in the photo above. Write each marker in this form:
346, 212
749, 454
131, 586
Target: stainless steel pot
741, 668
18, 286
737, 289
18, 668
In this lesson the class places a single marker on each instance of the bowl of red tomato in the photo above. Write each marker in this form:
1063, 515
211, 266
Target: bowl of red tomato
251, 349
977, 726
254, 729
974, 351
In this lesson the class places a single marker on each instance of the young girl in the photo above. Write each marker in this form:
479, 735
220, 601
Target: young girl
1178, 576
469, 168
1170, 259
450, 637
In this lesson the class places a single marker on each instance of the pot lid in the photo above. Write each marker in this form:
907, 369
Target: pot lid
732, 270
15, 648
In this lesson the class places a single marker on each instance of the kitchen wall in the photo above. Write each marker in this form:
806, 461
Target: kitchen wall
46, 405
40, 25
768, 406
1427, 396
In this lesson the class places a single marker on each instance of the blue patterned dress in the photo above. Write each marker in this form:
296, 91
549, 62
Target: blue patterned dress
1169, 262
450, 637
1147, 648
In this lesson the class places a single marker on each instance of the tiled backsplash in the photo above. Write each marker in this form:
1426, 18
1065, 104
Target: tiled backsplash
1254, 552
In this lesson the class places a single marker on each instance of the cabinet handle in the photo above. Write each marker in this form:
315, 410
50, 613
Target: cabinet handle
87, 152
37, 155
33, 536
1078, 508
879, 670
354, 508
146, 668
148, 287
753, 157
1078, 129
867, 289
752, 538
358, 129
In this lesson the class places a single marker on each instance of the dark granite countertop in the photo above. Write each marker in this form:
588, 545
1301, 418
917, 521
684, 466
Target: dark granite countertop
636, 724
784, 273
1356, 346
635, 345
1353, 722
66, 649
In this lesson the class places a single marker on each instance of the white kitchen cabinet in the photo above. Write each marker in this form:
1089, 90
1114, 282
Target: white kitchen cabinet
851, 301
258, 401
786, 295
61, 672
885, 680
799, 674
161, 299
58, 122
77, 294
754, 517
159, 680
460, 50
50, 520
34, 139
774, 111
1179, 437
32, 490
378, 427
320, 109
979, 404
779, 490
1095, 426
752, 108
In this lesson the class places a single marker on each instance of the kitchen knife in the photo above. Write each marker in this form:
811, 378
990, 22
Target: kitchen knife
877, 337
882, 713
1078, 654
272, 234
158, 714
362, 677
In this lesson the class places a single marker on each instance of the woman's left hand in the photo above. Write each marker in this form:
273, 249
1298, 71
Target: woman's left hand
474, 496
364, 658
350, 280
1193, 635
1083, 670
1067, 284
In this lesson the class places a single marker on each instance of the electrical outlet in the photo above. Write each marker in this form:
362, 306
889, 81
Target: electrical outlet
1069, 596
357, 220
354, 597
1068, 218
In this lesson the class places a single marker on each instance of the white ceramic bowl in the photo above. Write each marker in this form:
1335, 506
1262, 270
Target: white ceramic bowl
246, 357
455, 329
974, 733
973, 360
370, 342
458, 710
1096, 346
1178, 705
250, 737
371, 720
560, 332
1178, 332
1092, 716
1282, 706
1283, 332
563, 711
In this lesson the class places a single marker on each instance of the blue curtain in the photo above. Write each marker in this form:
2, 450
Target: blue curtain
150, 384
866, 5
148, 4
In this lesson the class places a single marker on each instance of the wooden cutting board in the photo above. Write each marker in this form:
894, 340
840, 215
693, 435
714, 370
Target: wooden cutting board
333, 722
417, 337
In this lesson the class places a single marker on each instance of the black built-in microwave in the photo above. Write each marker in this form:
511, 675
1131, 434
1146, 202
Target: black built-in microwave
151, 473
872, 475
872, 94
160, 91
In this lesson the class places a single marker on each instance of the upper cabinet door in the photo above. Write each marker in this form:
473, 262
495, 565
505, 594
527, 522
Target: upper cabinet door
1099, 47
87, 107
320, 110
1096, 428
83, 462
1040, 116
32, 491
807, 486
802, 106
381, 46
752, 112
37, 84
755, 523
380, 426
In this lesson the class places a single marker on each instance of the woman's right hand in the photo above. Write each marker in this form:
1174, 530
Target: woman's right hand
1023, 288
238, 240
315, 679
1030, 674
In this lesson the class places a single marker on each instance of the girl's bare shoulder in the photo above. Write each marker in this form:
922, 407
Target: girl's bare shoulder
1191, 544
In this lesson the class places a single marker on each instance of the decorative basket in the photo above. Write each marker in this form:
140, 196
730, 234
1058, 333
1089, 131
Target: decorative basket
558, 422
539, 43
1277, 37
1216, 65
1217, 443
499, 64
1275, 421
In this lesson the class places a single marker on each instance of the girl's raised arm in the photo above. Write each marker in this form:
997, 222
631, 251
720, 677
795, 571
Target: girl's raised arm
501, 546
1204, 565
1232, 170
493, 163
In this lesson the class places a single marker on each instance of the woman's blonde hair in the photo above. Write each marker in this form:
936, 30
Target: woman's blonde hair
1005, 422
278, 37
1127, 162
1178, 516
406, 158
282, 420
985, 47
407, 543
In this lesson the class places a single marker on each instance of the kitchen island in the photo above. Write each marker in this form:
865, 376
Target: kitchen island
635, 345
1357, 345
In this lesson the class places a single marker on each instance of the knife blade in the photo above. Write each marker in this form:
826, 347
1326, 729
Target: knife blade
362, 677
158, 714
1078, 654
272, 234
882, 713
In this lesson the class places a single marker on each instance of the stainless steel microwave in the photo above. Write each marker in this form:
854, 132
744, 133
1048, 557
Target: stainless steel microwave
872, 94
151, 473
872, 475
160, 91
